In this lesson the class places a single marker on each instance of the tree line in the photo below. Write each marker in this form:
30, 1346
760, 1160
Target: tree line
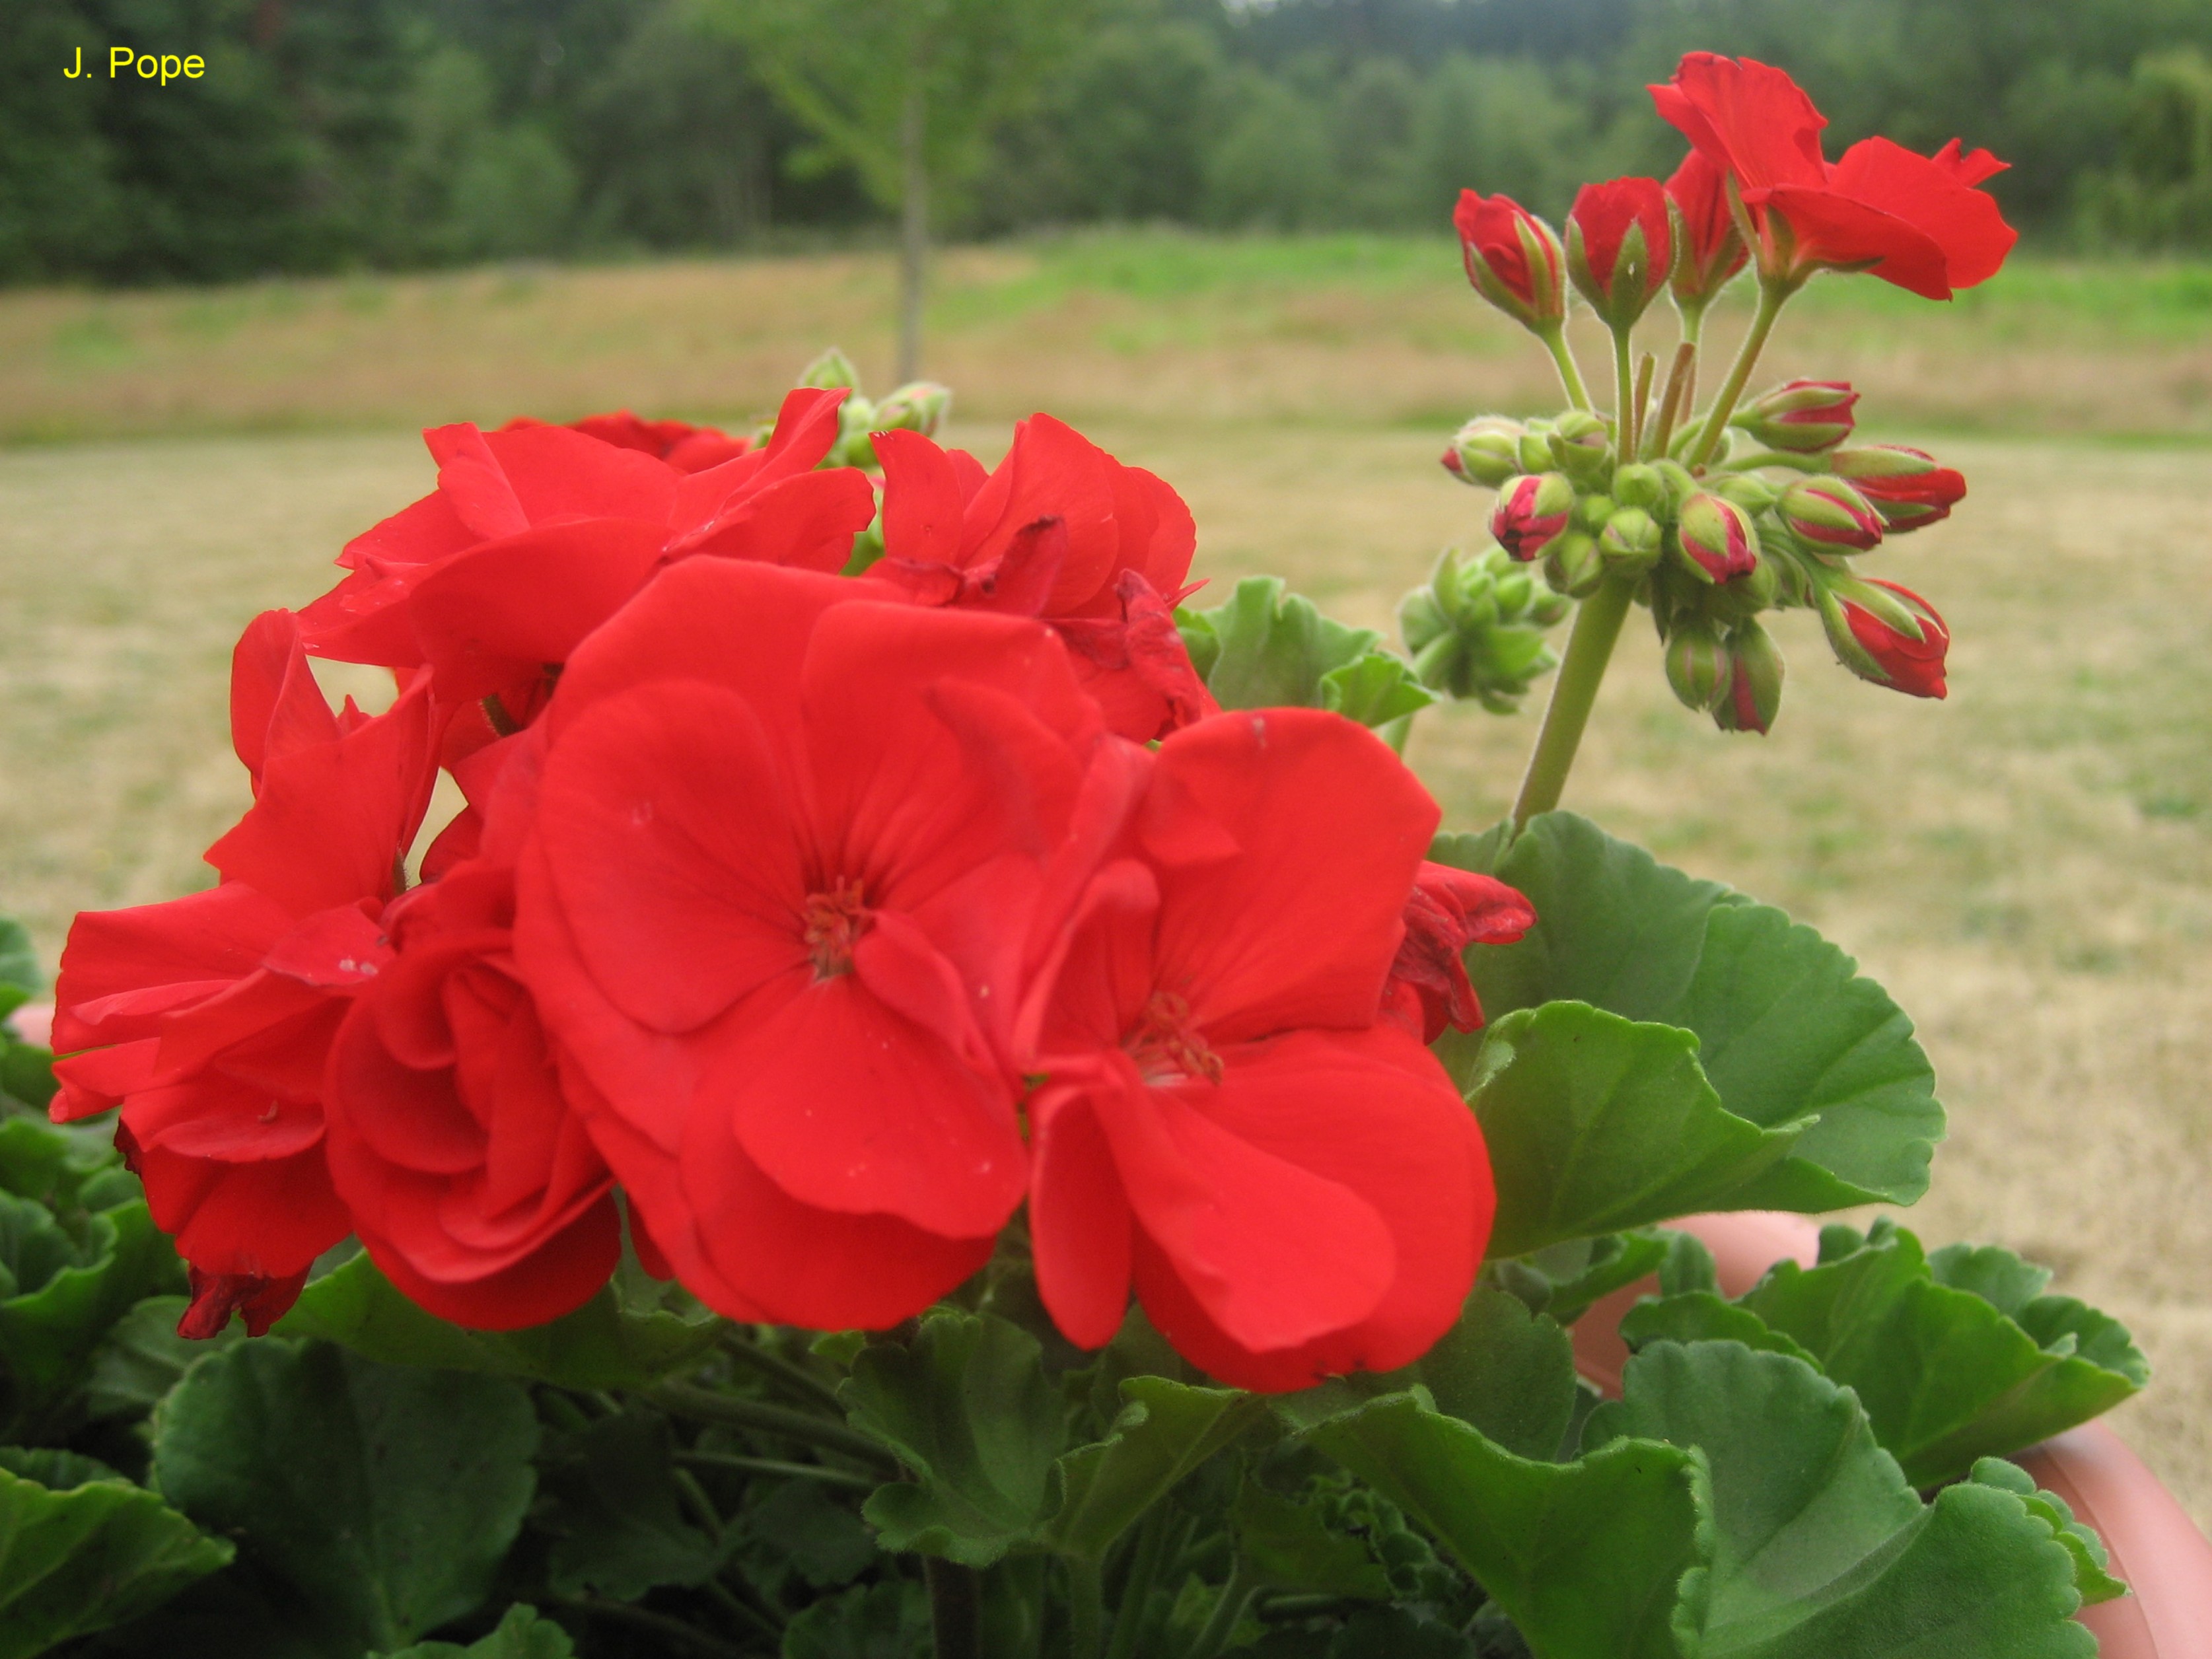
344, 134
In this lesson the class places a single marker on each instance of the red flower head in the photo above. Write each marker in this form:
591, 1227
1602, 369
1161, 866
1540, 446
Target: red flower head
1513, 259
1062, 532
686, 447
1294, 1189
1620, 247
536, 535
1709, 246
789, 834
472, 1184
209, 1019
1530, 512
1888, 634
1451, 909
1916, 221
1907, 487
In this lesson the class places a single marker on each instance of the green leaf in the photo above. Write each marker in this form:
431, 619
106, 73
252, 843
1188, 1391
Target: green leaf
26, 1071
1507, 1372
798, 1528
1285, 1544
1944, 1375
968, 1407
1562, 1280
142, 1357
67, 1292
1586, 1558
1264, 648
2091, 1564
1397, 1633
1703, 1316
19, 962
1788, 1031
1596, 1123
616, 1515
1820, 1549
383, 1498
75, 1561
52, 1163
889, 1620
1164, 1430
521, 1635
603, 1344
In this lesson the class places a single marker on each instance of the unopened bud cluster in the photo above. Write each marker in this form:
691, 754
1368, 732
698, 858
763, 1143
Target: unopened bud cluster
919, 406
1476, 630
1773, 521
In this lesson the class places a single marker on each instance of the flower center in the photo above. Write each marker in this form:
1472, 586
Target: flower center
1167, 1046
833, 922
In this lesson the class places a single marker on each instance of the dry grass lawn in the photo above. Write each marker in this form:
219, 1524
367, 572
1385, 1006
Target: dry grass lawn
2028, 867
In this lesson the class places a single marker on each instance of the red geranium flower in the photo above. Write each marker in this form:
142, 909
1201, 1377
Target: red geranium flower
474, 1187
1513, 259
209, 1019
1294, 1189
1063, 531
1892, 638
1429, 990
686, 447
789, 838
1711, 248
1916, 221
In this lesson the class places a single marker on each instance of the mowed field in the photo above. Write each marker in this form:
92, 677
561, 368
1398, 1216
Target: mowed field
2027, 866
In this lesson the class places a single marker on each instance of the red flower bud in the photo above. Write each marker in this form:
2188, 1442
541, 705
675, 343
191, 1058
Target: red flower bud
1893, 637
1800, 417
1753, 696
1530, 512
1513, 259
1708, 249
1906, 486
1620, 247
1717, 537
1829, 513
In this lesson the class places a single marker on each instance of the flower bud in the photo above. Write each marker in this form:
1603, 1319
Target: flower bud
1477, 631
1679, 483
1697, 664
856, 419
1639, 484
1886, 634
1592, 513
1513, 259
1530, 512
1754, 494
918, 406
1829, 513
1709, 248
1800, 417
1620, 247
1906, 486
1535, 447
833, 369
1752, 696
1582, 447
1715, 538
1631, 541
1573, 566
1486, 451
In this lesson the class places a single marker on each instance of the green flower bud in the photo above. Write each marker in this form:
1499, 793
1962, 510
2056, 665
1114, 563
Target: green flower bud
1631, 541
1486, 451
1639, 484
1752, 696
1697, 664
1591, 511
1582, 447
1573, 565
831, 370
1476, 630
1535, 447
1754, 494
918, 406
1679, 483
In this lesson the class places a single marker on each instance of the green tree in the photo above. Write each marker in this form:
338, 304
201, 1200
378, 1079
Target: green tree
908, 93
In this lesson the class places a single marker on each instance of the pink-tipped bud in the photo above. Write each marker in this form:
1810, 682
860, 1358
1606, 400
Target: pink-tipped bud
1485, 450
1753, 694
1620, 247
1513, 259
1829, 513
1887, 635
1800, 417
1907, 487
1530, 512
1715, 538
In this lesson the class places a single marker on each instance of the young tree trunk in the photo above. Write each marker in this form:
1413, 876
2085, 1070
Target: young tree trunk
913, 235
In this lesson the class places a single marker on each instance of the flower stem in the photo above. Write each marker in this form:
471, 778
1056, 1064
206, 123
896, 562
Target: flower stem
1236, 1596
1590, 647
799, 1382
1681, 390
1623, 395
955, 1608
1086, 1609
704, 1406
780, 1469
1771, 297
1137, 1590
1554, 337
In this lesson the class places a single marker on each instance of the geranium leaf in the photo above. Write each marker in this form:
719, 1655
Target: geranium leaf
377, 1501
65, 1288
1703, 1316
889, 1620
520, 1635
615, 1517
142, 1357
2091, 1563
1562, 1280
53, 1163
1286, 1544
1165, 1430
1597, 1124
1374, 690
1264, 648
968, 1409
19, 962
1946, 1376
1587, 1558
603, 1344
79, 1559
1787, 1031
1507, 1372
1821, 1549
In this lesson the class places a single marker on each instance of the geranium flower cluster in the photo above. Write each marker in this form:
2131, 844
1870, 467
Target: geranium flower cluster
1713, 518
833, 921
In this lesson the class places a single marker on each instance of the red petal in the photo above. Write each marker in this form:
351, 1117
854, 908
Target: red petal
923, 503
1833, 230
1079, 1224
1748, 116
1935, 198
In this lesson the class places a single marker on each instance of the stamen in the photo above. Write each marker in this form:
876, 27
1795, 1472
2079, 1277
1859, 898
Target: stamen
833, 921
